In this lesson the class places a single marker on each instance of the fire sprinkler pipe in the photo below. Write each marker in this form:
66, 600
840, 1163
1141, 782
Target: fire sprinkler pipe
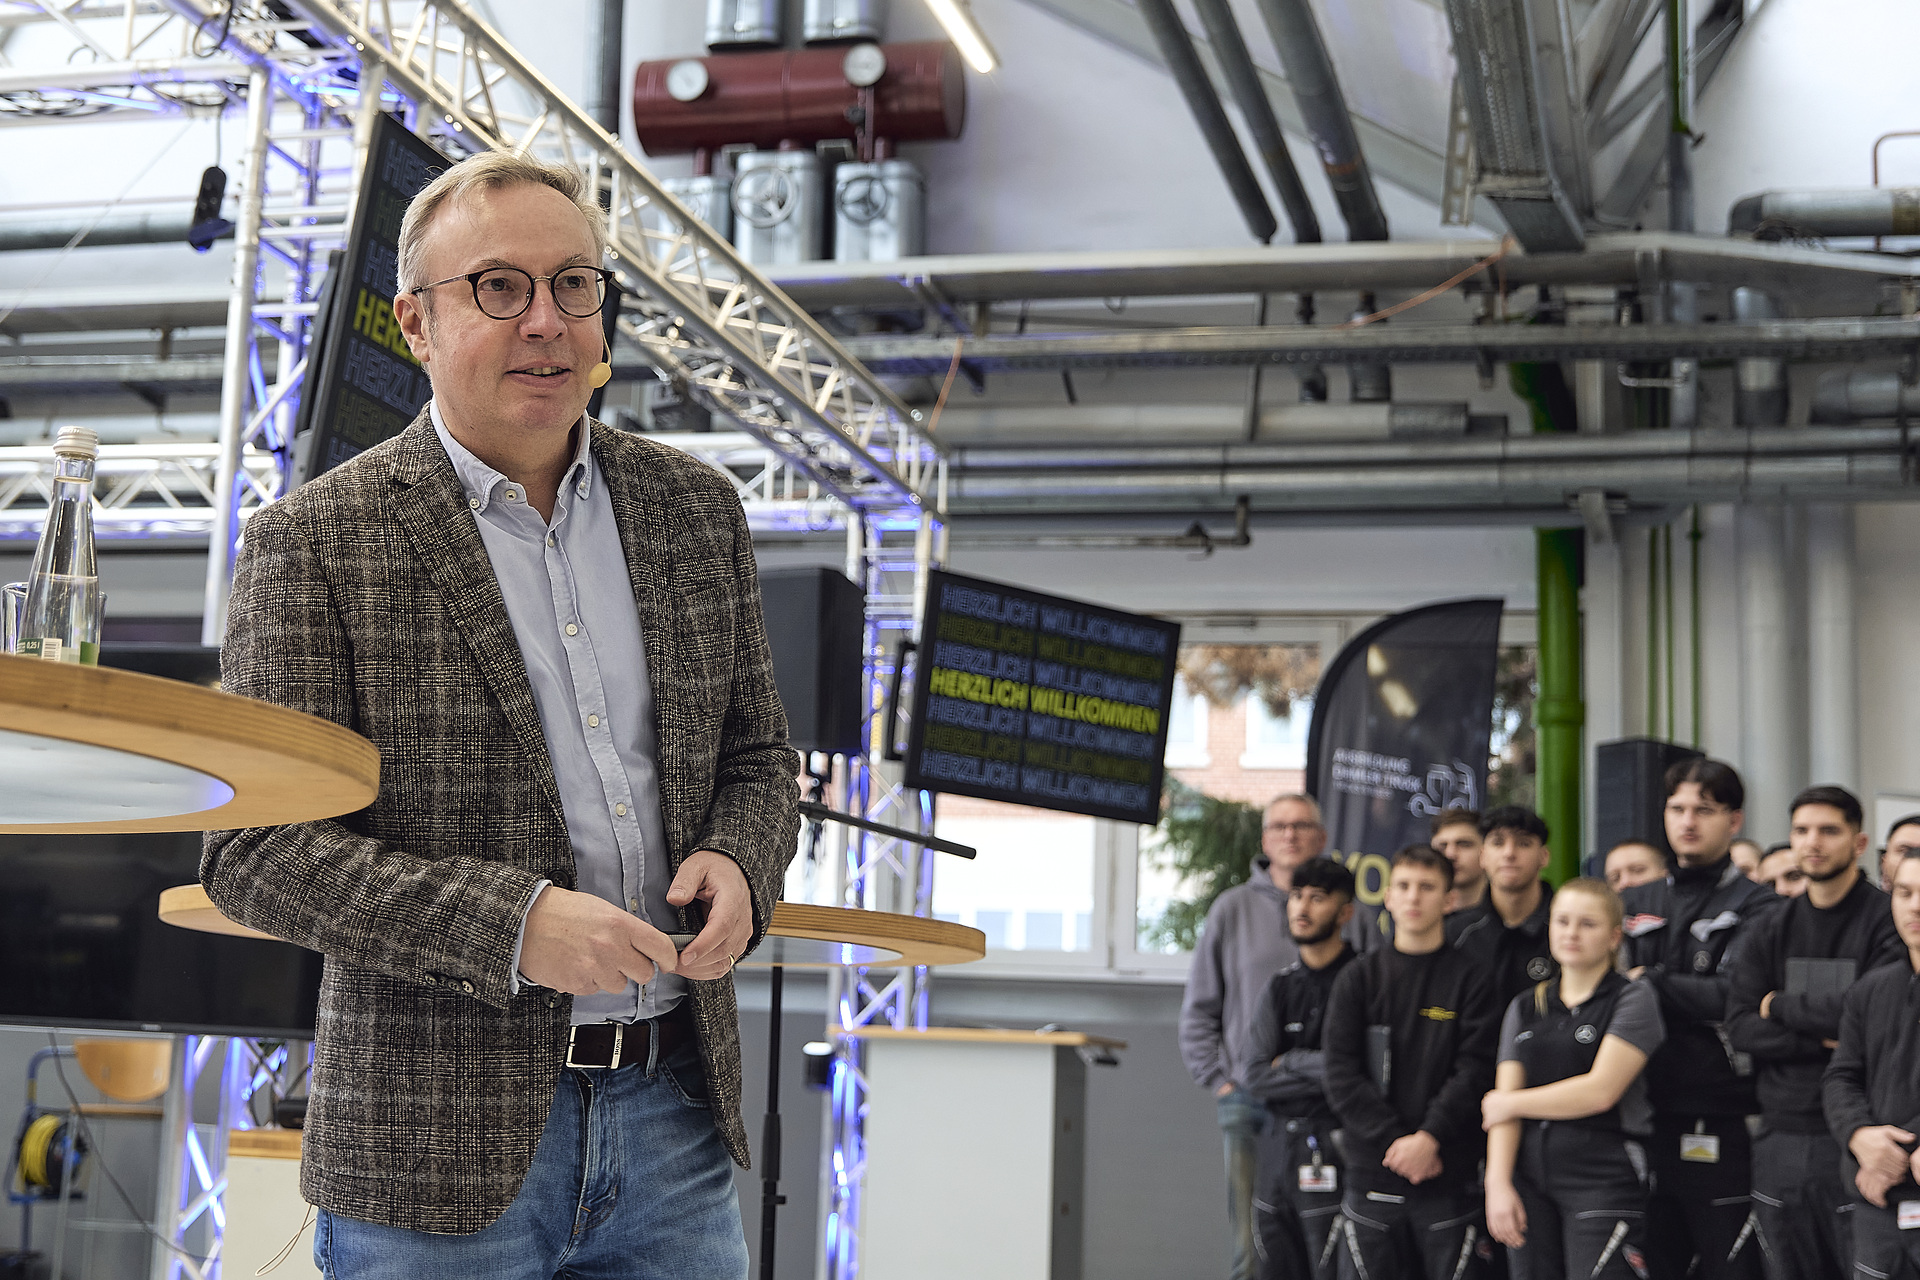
1310, 73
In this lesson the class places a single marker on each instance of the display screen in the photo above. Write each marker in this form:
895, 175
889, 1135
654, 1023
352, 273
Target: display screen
1038, 700
83, 945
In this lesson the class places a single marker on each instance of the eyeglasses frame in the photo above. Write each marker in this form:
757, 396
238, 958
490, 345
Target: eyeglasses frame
473, 283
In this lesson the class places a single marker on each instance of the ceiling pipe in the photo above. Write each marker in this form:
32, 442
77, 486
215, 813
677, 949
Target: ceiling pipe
1243, 81
1176, 46
1796, 215
1310, 74
1661, 453
145, 228
1843, 395
1760, 386
609, 35
1154, 425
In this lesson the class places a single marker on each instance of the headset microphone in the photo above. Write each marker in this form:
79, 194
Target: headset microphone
601, 374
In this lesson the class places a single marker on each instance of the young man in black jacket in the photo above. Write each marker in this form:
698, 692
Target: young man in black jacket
1506, 932
1684, 934
1410, 1035
1297, 1194
1872, 1095
1783, 1010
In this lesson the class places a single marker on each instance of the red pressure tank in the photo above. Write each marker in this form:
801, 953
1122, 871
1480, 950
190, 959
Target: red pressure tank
800, 96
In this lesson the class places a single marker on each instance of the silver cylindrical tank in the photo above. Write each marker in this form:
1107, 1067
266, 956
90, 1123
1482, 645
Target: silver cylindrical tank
779, 207
709, 197
879, 211
843, 21
754, 24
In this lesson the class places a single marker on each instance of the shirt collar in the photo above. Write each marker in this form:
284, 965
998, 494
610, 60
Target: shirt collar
479, 479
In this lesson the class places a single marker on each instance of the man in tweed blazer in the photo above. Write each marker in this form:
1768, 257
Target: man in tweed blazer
515, 1072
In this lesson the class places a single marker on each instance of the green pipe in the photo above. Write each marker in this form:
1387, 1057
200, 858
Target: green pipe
1666, 582
1559, 714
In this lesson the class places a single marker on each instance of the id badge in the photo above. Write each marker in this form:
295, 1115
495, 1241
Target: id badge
1700, 1148
1326, 1178
1908, 1215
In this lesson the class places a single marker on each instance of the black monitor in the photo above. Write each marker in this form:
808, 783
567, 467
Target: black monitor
82, 945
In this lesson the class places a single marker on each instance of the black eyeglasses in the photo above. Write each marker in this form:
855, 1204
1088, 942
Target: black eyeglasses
505, 293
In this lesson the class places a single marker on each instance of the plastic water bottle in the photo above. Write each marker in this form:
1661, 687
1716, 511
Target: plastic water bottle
61, 620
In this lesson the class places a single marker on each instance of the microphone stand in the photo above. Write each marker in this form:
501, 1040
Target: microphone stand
770, 1197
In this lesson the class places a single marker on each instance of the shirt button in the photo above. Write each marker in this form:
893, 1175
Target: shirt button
582, 490
549, 539
621, 810
572, 630
511, 495
467, 987
633, 904
474, 503
593, 722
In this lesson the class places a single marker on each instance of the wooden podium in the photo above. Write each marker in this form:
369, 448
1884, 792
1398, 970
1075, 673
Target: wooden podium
976, 1153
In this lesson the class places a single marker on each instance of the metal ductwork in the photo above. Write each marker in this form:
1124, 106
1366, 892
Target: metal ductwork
1176, 46
1310, 74
1243, 80
1514, 70
145, 228
1134, 425
1522, 475
1843, 396
1799, 215
1760, 386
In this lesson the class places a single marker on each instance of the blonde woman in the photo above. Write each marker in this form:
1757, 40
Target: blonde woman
1566, 1175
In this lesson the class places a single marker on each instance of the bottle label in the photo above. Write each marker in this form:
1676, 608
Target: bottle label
49, 649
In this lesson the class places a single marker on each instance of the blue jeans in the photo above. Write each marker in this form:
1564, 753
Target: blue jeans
630, 1182
1242, 1118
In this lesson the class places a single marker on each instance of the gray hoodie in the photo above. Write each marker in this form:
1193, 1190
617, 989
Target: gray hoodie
1242, 946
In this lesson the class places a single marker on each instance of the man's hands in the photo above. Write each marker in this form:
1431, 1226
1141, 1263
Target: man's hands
1766, 1004
1884, 1162
1227, 1088
1416, 1157
581, 944
1506, 1216
716, 880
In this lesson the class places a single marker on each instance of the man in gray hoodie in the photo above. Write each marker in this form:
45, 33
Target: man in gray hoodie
1243, 944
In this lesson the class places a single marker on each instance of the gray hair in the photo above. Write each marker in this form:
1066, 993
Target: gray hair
490, 171
1313, 806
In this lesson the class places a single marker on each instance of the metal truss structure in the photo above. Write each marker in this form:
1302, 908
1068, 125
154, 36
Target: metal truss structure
189, 1215
891, 560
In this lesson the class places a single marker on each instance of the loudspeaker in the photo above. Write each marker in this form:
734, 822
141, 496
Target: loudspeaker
1630, 797
816, 624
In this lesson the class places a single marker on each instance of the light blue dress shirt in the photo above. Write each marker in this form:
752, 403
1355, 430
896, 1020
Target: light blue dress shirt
571, 605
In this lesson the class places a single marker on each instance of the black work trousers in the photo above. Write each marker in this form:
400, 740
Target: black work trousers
1293, 1225
1434, 1234
1802, 1206
1585, 1193
1700, 1213
1881, 1250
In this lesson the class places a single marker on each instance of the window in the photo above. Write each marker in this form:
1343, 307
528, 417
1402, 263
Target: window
1034, 875
1187, 728
1276, 741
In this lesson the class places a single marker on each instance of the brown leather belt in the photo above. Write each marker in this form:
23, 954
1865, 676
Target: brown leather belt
625, 1044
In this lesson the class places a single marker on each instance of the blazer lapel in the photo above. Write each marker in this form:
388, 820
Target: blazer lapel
432, 509
640, 511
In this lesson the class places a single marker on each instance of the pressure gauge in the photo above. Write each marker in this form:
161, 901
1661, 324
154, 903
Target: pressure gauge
864, 65
687, 79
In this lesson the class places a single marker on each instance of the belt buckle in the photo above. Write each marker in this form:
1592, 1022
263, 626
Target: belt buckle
573, 1039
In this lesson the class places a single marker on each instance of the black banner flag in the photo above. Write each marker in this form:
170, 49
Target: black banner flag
1402, 723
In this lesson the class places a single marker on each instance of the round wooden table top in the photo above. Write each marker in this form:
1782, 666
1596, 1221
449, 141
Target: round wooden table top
94, 750
800, 937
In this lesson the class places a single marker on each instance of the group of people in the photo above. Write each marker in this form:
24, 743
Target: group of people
1685, 1068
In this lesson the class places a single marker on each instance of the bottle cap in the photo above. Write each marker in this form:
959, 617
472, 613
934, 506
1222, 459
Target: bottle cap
77, 442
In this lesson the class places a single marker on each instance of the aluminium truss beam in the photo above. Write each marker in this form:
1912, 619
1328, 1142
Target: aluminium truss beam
706, 314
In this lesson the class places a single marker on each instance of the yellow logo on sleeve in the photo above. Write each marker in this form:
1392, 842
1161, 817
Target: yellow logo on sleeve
1438, 1014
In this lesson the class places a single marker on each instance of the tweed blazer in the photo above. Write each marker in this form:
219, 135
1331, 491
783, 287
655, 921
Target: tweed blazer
367, 598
